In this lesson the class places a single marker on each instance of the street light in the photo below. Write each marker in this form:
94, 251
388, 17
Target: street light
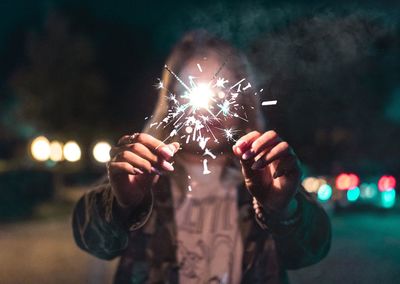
56, 151
101, 152
40, 149
72, 151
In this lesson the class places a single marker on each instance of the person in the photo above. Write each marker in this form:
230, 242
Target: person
247, 220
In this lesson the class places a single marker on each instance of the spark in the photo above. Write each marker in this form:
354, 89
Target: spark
206, 171
269, 103
198, 66
221, 83
224, 107
209, 153
203, 141
230, 133
248, 86
238, 83
160, 84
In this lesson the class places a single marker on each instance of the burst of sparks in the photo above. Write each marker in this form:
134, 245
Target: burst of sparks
202, 109
230, 134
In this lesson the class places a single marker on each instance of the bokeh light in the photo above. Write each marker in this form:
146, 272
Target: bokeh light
72, 151
56, 151
368, 190
388, 198
386, 183
353, 194
101, 152
324, 192
347, 181
312, 184
40, 149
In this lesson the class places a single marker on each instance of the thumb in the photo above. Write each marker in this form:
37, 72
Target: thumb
252, 178
174, 146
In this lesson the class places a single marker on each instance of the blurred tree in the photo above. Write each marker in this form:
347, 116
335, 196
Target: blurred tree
60, 89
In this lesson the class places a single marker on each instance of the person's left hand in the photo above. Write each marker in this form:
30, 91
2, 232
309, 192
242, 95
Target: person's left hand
270, 168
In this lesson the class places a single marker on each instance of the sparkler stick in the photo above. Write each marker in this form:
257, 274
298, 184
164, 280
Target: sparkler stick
176, 77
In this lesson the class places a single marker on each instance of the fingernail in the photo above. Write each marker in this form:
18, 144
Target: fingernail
167, 151
167, 166
156, 171
248, 154
138, 171
257, 165
173, 149
239, 146
240, 143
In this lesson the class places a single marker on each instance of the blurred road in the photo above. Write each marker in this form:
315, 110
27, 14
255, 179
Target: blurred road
365, 249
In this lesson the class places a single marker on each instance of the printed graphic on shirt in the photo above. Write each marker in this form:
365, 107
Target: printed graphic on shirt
208, 239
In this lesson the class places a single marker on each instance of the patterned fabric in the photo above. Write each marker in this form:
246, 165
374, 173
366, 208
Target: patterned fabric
148, 252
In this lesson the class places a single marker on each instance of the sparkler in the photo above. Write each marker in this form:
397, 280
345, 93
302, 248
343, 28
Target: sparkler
195, 115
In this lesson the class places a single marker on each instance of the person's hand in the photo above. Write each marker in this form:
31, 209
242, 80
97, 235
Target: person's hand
270, 168
135, 165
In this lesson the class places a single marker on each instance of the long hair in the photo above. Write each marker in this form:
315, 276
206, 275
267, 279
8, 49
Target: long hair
200, 43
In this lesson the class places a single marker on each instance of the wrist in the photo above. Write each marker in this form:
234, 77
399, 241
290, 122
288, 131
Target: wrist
280, 222
132, 214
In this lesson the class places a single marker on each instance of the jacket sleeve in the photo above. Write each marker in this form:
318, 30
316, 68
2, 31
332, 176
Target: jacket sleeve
97, 228
305, 239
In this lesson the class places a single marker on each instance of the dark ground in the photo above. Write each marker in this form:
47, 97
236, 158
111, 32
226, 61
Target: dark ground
365, 249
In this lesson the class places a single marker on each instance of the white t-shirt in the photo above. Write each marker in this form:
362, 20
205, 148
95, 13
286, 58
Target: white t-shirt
209, 241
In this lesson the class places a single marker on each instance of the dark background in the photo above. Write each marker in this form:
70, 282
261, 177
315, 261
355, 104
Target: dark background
85, 71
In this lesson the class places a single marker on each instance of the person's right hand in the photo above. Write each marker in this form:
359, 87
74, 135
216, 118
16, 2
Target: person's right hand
135, 165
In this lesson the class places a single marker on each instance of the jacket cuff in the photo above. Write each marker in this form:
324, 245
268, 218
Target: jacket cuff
275, 225
137, 217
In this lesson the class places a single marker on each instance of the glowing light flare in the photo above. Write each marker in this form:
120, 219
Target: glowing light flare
40, 149
200, 96
56, 151
101, 152
72, 151
386, 183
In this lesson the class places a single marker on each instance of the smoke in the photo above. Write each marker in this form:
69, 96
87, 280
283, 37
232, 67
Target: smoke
333, 70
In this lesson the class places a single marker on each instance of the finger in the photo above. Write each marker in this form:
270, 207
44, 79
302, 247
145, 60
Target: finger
244, 142
126, 139
174, 146
267, 140
156, 146
115, 168
157, 161
280, 150
137, 162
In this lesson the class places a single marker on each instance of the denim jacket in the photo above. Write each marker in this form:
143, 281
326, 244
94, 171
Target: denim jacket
147, 244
